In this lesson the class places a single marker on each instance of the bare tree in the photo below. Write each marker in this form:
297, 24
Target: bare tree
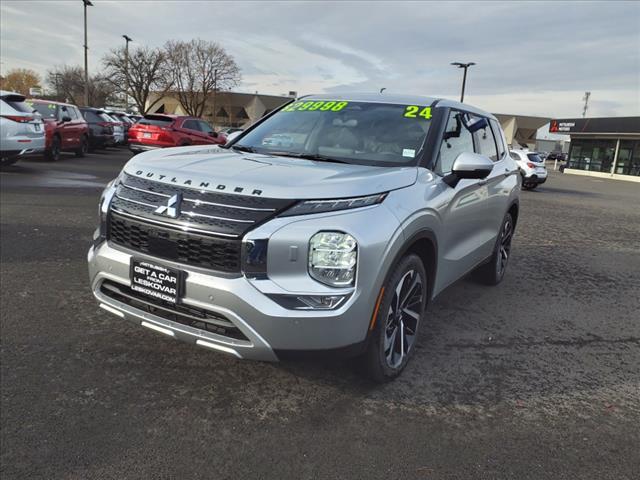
68, 82
142, 75
20, 80
199, 69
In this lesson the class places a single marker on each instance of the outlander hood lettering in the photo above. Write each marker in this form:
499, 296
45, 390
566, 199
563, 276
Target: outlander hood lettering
172, 208
193, 183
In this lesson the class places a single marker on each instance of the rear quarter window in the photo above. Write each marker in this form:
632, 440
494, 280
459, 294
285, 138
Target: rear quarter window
17, 103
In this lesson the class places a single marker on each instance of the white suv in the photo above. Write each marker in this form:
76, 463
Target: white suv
532, 168
21, 130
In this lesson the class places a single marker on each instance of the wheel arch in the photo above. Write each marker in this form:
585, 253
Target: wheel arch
424, 244
514, 210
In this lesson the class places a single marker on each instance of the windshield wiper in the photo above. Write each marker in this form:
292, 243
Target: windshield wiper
308, 156
243, 148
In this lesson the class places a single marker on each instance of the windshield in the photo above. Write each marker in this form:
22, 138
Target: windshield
47, 110
353, 132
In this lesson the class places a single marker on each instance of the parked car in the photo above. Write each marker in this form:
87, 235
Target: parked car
118, 129
561, 157
21, 132
334, 244
161, 131
124, 121
100, 128
65, 128
229, 131
532, 168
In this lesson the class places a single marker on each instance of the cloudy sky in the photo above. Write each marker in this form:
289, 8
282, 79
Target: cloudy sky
535, 58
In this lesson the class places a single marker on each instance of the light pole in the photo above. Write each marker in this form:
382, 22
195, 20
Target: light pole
127, 39
464, 78
87, 3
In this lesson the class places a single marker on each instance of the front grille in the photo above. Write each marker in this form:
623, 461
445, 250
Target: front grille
213, 253
186, 315
206, 232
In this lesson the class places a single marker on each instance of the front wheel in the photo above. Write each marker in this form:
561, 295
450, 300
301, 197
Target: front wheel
397, 318
492, 272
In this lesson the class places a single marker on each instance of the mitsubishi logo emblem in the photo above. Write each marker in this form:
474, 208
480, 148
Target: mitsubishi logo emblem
172, 208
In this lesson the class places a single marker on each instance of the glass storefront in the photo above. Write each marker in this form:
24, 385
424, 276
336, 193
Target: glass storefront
628, 158
597, 155
592, 155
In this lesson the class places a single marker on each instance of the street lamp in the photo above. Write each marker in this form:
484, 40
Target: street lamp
87, 3
464, 78
127, 39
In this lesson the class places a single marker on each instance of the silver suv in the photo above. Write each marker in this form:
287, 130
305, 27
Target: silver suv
21, 130
328, 226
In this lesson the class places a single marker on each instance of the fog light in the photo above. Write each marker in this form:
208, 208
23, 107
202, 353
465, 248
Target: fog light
332, 258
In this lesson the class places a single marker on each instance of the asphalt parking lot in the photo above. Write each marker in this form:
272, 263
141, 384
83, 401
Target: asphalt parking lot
536, 378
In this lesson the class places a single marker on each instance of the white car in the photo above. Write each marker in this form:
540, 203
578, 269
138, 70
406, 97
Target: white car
21, 130
532, 168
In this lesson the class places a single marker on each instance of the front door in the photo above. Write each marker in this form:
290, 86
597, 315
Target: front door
464, 209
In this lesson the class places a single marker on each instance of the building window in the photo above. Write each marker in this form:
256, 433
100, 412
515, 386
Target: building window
592, 155
628, 158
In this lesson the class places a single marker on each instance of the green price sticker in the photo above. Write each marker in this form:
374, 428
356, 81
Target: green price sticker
415, 111
312, 106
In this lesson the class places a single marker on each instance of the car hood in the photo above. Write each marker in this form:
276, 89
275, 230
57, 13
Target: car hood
215, 169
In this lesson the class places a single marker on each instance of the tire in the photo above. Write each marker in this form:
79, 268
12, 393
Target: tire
492, 272
5, 162
388, 353
53, 153
83, 148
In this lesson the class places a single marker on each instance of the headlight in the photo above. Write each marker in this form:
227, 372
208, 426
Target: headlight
100, 234
332, 258
321, 206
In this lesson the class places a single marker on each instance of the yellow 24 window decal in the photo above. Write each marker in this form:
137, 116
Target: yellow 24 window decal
313, 105
415, 111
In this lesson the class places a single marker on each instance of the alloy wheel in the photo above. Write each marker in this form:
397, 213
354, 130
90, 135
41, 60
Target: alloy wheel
505, 246
403, 318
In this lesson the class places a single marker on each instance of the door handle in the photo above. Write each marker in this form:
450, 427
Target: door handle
482, 182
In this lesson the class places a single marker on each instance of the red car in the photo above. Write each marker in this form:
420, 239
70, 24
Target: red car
160, 131
64, 126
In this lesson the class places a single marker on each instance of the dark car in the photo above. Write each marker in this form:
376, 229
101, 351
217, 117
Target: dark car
64, 126
125, 122
100, 128
561, 157
161, 131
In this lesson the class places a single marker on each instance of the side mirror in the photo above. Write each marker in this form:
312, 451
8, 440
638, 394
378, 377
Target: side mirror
232, 136
213, 134
476, 124
468, 165
66, 118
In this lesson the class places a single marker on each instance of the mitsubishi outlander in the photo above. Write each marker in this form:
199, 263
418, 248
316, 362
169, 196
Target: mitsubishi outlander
327, 226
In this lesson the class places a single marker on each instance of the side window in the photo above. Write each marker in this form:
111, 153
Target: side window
514, 155
62, 112
205, 127
497, 133
191, 125
456, 139
72, 113
486, 143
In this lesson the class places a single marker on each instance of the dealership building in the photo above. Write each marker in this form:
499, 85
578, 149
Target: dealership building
602, 147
